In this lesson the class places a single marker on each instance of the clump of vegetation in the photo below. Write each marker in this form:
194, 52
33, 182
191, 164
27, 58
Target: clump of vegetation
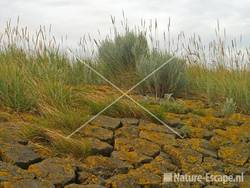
185, 131
77, 147
174, 106
118, 56
169, 79
15, 85
128, 57
56, 142
65, 120
199, 112
229, 107
35, 134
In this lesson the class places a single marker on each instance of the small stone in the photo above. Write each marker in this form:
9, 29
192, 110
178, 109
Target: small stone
154, 127
173, 119
83, 186
28, 183
8, 172
145, 178
246, 182
4, 117
131, 157
237, 154
19, 155
218, 114
202, 146
197, 132
232, 135
230, 122
122, 180
139, 145
217, 141
236, 170
98, 132
195, 168
129, 121
10, 133
160, 166
107, 122
127, 132
99, 147
183, 156
104, 166
58, 171
158, 138
85, 178
206, 122
221, 183
212, 164
135, 178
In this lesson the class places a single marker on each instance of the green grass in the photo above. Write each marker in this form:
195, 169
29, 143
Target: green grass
221, 83
15, 89
174, 106
66, 120
38, 76
77, 148
229, 107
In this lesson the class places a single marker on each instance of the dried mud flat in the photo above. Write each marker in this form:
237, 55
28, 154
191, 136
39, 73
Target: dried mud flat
128, 152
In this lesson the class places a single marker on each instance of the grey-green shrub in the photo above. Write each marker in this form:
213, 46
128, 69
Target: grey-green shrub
118, 57
169, 79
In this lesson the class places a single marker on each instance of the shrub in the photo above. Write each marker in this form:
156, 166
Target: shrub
118, 57
169, 79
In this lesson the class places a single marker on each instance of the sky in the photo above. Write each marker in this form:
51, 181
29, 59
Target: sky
75, 18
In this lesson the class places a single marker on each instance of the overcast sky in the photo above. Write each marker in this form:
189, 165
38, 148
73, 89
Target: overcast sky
77, 17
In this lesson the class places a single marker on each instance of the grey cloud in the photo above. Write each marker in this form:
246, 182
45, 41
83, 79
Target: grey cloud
76, 17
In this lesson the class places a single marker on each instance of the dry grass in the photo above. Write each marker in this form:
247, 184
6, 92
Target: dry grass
55, 141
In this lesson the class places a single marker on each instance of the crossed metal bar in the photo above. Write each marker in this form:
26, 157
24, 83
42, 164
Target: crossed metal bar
123, 94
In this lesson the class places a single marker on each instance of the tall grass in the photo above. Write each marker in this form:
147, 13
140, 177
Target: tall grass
221, 83
37, 75
15, 86
221, 71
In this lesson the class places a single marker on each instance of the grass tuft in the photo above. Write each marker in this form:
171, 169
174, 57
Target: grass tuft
174, 106
229, 107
